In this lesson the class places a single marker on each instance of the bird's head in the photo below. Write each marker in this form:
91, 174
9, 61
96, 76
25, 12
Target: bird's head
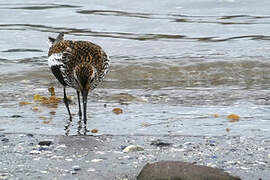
52, 41
85, 74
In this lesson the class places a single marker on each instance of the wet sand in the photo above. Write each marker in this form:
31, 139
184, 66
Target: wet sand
102, 157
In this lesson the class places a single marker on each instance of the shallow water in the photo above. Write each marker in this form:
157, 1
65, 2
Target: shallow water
174, 65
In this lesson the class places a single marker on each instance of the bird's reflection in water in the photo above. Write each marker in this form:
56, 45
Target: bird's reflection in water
81, 129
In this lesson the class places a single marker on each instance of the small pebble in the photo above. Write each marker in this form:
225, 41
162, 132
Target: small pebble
4, 176
188, 143
73, 172
244, 168
5, 140
96, 160
132, 148
100, 152
45, 143
61, 146
34, 152
30, 135
16, 116
76, 168
25, 81
91, 170
160, 143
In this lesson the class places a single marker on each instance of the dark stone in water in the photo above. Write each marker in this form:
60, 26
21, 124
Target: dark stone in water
45, 143
160, 143
5, 140
177, 170
16, 116
30, 135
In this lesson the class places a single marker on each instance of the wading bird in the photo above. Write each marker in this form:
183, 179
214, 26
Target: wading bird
81, 65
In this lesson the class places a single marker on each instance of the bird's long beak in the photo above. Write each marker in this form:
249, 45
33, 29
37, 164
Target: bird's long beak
84, 95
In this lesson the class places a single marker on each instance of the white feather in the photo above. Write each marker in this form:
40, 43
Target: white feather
55, 59
50, 43
109, 60
107, 65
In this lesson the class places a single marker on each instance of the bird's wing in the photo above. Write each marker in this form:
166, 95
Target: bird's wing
58, 59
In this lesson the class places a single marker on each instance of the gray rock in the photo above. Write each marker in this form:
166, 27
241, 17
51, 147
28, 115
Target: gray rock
160, 143
30, 135
5, 140
45, 143
176, 170
132, 148
73, 172
76, 168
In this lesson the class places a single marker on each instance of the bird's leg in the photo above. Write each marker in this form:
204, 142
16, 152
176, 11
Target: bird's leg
84, 95
67, 127
85, 130
79, 102
79, 127
66, 102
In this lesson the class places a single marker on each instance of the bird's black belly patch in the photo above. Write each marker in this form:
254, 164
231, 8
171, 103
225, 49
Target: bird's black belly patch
58, 74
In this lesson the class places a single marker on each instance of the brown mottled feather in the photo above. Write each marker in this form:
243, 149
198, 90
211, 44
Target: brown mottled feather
80, 52
78, 64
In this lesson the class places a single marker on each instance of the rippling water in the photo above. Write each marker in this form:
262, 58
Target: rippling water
174, 64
